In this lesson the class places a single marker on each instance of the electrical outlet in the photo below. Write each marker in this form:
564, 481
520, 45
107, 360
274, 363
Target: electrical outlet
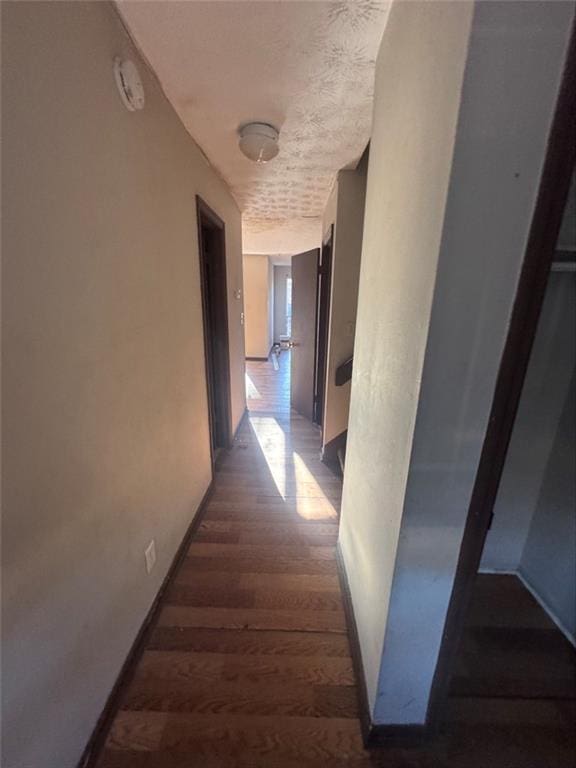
150, 556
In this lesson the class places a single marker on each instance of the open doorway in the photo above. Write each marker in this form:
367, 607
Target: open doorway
530, 437
212, 253
324, 282
518, 640
311, 286
288, 310
282, 331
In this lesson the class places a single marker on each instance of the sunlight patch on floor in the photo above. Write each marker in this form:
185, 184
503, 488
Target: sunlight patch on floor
251, 390
290, 472
272, 441
303, 476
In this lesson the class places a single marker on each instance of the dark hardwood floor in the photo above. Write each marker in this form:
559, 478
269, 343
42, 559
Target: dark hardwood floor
267, 389
248, 663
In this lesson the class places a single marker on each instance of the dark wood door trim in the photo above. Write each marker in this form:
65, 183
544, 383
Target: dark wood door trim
323, 303
208, 218
304, 325
552, 195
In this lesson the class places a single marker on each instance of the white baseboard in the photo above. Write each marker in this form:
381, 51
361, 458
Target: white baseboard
503, 572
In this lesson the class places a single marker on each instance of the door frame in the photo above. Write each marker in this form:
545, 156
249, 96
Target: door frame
323, 305
304, 331
559, 166
208, 218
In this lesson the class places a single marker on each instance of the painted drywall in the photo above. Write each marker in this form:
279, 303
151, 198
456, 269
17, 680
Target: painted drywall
282, 236
544, 394
346, 254
330, 210
258, 297
281, 274
515, 60
549, 558
105, 429
417, 94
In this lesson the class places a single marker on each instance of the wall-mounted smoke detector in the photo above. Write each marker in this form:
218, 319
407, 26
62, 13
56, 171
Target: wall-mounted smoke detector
259, 141
129, 84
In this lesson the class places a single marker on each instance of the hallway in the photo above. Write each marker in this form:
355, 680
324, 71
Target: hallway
248, 662
267, 389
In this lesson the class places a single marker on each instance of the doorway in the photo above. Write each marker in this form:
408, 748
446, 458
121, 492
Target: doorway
324, 282
212, 256
311, 286
542, 256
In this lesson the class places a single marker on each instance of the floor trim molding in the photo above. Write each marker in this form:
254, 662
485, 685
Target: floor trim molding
355, 651
329, 452
373, 735
261, 359
96, 740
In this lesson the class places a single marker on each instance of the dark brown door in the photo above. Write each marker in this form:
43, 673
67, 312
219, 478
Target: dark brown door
323, 300
304, 286
212, 247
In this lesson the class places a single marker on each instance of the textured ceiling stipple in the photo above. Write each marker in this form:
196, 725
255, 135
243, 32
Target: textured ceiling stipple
306, 66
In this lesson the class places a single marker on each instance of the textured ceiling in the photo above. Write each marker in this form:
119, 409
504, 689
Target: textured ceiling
306, 67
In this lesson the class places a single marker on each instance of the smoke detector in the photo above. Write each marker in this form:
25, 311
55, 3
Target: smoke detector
129, 84
259, 141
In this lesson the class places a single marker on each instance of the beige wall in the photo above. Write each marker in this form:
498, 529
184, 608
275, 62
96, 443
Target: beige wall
417, 92
105, 439
347, 215
258, 305
281, 274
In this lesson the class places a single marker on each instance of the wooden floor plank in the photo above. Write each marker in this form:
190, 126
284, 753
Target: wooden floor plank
262, 565
227, 580
201, 668
262, 698
211, 597
252, 618
245, 641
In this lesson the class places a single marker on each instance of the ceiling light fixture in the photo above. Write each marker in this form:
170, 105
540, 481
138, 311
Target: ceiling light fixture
259, 142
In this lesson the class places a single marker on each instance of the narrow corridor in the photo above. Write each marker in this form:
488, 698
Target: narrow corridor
249, 662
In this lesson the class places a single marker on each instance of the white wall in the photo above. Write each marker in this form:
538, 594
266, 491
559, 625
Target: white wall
549, 558
417, 93
515, 61
348, 220
417, 423
105, 429
534, 526
543, 399
258, 305
281, 273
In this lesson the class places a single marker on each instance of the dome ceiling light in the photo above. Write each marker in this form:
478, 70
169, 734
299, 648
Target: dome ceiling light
259, 141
